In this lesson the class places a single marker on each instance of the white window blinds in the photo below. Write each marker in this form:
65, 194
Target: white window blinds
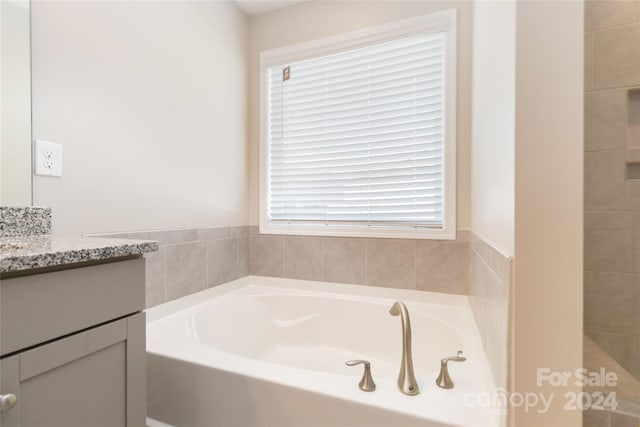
357, 137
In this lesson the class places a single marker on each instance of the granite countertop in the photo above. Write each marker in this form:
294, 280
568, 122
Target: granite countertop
30, 252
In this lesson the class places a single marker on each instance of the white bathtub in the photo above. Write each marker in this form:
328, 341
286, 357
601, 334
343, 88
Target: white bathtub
270, 352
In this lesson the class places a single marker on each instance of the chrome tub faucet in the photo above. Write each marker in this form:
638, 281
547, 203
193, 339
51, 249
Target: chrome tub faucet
406, 379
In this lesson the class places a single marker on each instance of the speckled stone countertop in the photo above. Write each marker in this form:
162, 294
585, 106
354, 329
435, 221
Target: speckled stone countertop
30, 252
24, 221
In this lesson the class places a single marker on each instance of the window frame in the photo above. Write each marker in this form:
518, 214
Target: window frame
445, 21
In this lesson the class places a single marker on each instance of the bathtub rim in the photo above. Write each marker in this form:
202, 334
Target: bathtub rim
425, 297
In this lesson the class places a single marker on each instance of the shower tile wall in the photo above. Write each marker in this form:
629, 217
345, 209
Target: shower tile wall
427, 265
612, 192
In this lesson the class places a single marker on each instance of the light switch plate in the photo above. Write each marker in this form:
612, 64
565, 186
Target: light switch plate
47, 158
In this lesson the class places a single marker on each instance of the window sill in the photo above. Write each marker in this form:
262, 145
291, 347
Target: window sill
367, 232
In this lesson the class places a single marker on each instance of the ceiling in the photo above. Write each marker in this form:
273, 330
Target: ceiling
260, 7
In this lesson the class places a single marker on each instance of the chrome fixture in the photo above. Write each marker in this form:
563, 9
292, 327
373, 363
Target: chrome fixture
406, 379
7, 401
444, 380
366, 383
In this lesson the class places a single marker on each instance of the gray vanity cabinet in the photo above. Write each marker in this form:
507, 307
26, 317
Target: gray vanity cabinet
83, 380
73, 347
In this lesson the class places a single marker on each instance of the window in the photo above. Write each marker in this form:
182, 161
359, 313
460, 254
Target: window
358, 133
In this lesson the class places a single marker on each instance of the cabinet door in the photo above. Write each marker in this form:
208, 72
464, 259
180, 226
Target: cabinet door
89, 379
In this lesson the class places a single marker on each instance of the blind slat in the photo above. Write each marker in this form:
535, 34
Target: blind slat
352, 175
408, 89
347, 114
356, 119
368, 123
394, 46
430, 216
351, 68
348, 157
281, 149
372, 184
368, 185
424, 69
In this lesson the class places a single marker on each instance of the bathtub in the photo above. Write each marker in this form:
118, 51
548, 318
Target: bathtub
270, 352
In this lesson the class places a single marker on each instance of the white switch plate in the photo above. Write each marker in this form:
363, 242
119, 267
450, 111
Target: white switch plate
47, 158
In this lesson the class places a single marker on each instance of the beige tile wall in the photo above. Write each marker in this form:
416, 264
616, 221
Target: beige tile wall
191, 260
427, 265
489, 296
612, 203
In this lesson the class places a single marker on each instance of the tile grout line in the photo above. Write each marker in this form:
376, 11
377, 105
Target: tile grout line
322, 259
164, 274
415, 264
237, 257
249, 239
593, 64
611, 27
488, 264
366, 261
237, 276
626, 88
206, 254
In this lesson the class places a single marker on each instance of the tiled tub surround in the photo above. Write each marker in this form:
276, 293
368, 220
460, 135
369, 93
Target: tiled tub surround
191, 260
489, 296
426, 265
25, 221
612, 195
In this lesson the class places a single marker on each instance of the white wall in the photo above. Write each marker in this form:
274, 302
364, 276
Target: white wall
316, 19
148, 100
493, 130
15, 104
547, 303
527, 183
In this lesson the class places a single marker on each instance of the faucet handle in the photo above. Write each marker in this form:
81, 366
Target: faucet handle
366, 383
444, 380
458, 358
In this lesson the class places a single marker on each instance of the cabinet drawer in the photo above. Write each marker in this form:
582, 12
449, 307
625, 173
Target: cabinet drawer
41, 307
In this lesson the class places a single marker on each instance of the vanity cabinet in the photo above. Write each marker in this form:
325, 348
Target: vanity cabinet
73, 346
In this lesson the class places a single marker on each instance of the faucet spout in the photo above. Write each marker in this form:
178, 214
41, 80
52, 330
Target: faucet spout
406, 379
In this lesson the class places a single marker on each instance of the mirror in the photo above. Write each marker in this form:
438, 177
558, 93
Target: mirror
15, 103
